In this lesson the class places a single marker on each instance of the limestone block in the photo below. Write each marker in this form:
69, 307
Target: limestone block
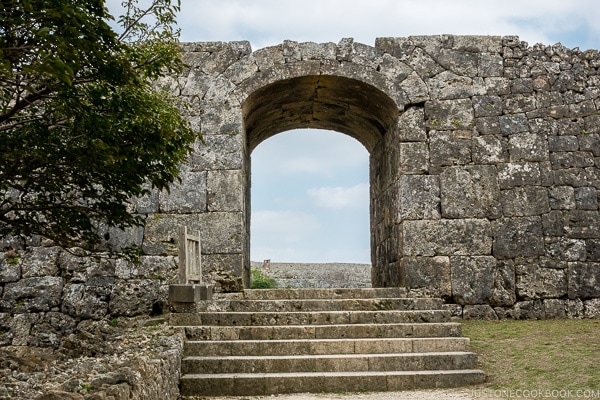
487, 125
571, 159
244, 69
561, 197
83, 301
224, 56
490, 65
460, 62
527, 147
41, 261
575, 177
419, 197
591, 141
133, 297
487, 106
150, 267
447, 237
521, 85
32, 294
186, 196
592, 247
449, 148
513, 123
497, 85
423, 64
479, 312
519, 103
489, 149
411, 125
518, 174
413, 158
592, 308
561, 248
50, 329
449, 114
583, 224
525, 201
584, 280
416, 90
10, 268
430, 275
119, 239
20, 327
586, 198
553, 223
518, 237
217, 152
563, 143
531, 309
469, 192
224, 190
555, 308
448, 85
473, 279
534, 282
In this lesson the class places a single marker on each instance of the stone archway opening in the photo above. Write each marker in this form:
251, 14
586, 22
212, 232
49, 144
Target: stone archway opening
310, 209
341, 104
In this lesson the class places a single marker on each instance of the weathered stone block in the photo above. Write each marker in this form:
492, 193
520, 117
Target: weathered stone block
134, 297
150, 267
41, 261
563, 143
224, 190
560, 248
411, 125
490, 65
561, 197
518, 174
447, 85
10, 268
575, 177
449, 148
489, 149
186, 196
590, 142
572, 159
592, 247
518, 237
531, 309
473, 279
525, 201
513, 123
224, 151
447, 237
586, 198
534, 282
479, 312
449, 114
419, 197
30, 295
555, 308
430, 275
86, 301
469, 192
553, 223
592, 308
583, 224
584, 280
488, 125
413, 158
528, 147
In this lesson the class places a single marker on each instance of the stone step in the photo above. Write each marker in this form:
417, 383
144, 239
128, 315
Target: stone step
340, 331
231, 384
329, 363
289, 305
320, 293
309, 317
324, 346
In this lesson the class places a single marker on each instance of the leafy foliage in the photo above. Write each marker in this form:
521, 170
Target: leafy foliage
82, 129
259, 281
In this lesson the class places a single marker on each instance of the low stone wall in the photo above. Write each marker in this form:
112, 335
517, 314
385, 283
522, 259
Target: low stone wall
320, 275
101, 361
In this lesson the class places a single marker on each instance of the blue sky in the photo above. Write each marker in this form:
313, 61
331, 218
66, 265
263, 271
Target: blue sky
313, 206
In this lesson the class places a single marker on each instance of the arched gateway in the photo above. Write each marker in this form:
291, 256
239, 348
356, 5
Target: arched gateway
483, 159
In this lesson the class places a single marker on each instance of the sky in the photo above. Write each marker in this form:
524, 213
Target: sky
314, 206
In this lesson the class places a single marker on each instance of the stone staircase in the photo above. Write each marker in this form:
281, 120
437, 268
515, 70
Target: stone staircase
263, 342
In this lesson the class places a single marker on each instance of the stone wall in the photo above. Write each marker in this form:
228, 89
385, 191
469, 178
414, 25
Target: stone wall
484, 178
317, 275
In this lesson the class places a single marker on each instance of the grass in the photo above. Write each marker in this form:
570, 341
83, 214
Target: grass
549, 355
260, 281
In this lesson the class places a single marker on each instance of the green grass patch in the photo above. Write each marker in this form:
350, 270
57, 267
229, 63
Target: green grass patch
549, 355
260, 281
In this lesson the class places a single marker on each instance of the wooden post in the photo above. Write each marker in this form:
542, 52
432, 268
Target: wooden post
190, 267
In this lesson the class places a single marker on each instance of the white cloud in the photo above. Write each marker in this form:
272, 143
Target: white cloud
339, 197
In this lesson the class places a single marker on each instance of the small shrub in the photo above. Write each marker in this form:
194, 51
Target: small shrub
260, 281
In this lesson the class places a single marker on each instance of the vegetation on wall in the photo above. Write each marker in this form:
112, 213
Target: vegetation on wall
82, 127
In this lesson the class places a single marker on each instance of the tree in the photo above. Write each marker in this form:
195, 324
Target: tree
82, 129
